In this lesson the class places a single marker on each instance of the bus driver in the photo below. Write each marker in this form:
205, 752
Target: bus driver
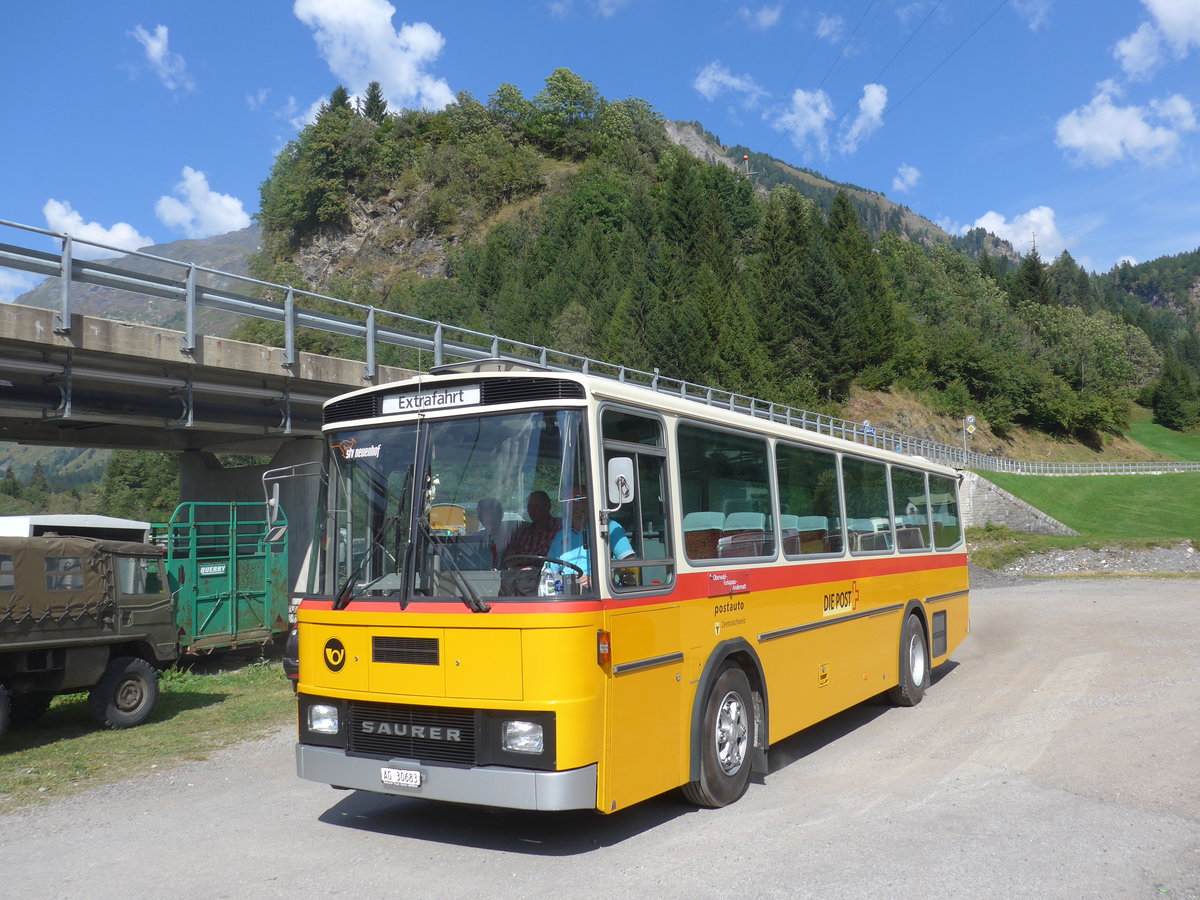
571, 544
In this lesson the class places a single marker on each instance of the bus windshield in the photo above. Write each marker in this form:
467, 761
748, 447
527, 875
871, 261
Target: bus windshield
460, 508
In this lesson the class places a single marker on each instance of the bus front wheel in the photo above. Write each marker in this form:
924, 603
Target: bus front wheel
726, 740
914, 665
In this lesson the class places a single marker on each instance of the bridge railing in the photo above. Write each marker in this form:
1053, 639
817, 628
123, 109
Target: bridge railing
199, 287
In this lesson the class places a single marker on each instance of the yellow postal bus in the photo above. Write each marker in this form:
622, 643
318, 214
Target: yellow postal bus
547, 590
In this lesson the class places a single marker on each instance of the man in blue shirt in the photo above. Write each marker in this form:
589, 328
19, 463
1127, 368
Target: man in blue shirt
571, 545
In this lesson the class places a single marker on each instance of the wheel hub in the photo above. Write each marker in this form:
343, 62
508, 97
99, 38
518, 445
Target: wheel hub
733, 733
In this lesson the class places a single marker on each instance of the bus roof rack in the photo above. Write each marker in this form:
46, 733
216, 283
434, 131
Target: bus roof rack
489, 364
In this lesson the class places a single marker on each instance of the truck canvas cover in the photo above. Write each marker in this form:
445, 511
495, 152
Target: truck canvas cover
63, 581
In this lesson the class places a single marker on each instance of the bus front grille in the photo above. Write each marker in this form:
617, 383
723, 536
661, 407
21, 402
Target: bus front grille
365, 406
426, 733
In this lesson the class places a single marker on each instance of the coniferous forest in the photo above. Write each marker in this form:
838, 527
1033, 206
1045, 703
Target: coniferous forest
571, 221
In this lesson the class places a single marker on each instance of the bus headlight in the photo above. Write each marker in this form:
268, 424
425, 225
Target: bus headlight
323, 718
523, 737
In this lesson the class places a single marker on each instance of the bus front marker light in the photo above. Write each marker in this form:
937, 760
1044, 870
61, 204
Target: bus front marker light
604, 648
323, 718
523, 737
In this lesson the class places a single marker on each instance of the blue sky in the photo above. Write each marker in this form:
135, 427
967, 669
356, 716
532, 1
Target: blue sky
1073, 120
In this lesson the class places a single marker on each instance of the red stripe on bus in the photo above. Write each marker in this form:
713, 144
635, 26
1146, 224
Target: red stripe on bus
688, 586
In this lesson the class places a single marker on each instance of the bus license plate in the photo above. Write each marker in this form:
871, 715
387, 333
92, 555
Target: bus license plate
401, 777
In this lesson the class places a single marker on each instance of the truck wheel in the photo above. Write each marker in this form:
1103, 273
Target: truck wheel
3, 710
914, 665
125, 695
25, 709
726, 741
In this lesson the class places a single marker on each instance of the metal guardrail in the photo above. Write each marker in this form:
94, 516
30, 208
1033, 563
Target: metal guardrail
448, 342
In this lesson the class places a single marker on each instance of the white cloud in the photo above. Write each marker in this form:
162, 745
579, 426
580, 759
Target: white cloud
1140, 53
714, 79
258, 98
609, 8
806, 121
1132, 260
1036, 226
14, 284
1035, 12
1177, 110
763, 18
870, 116
356, 39
559, 9
202, 212
1102, 133
829, 28
169, 67
1178, 22
906, 178
296, 117
122, 236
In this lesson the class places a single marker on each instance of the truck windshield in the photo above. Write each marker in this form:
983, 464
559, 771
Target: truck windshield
460, 509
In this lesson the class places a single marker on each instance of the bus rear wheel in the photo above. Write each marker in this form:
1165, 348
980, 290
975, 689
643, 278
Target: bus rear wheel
914, 665
726, 741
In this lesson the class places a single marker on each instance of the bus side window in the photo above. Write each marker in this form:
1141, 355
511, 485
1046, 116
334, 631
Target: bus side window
943, 504
645, 518
810, 506
868, 516
726, 494
912, 509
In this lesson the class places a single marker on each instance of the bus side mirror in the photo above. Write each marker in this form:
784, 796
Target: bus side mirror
275, 534
620, 480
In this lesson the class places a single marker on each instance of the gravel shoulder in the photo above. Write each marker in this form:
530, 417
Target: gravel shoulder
1179, 560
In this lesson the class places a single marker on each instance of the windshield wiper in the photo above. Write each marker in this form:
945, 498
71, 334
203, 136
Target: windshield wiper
342, 598
468, 596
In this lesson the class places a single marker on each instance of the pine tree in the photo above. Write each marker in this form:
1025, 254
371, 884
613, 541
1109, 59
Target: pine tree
338, 99
374, 107
869, 331
1029, 285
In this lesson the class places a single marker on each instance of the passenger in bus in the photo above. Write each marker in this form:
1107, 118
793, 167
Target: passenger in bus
496, 533
533, 538
571, 544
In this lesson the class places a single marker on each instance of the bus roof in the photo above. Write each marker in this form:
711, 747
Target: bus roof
768, 419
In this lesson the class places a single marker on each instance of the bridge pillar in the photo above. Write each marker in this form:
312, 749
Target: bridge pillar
202, 479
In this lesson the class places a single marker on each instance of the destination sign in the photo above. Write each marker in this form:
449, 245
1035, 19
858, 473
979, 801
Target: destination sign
427, 401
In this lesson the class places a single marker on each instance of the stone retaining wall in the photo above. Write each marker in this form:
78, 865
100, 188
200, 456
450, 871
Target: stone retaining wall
984, 503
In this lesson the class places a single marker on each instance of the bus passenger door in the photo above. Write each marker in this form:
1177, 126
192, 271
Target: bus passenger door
645, 722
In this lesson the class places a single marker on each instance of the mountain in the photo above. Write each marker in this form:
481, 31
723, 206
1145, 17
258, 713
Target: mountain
877, 213
225, 252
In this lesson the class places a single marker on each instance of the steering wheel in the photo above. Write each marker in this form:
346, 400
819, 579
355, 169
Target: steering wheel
530, 557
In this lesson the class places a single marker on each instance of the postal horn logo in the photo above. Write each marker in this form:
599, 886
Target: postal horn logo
335, 655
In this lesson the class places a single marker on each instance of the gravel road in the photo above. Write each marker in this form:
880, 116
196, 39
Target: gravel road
1056, 757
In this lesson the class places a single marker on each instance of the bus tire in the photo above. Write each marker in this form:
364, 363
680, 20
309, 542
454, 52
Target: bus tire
914, 665
726, 742
125, 695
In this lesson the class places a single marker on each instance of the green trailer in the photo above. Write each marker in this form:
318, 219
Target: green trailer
228, 574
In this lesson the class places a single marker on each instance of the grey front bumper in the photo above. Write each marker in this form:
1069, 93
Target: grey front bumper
484, 786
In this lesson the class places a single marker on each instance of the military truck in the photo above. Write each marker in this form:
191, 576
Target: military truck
83, 614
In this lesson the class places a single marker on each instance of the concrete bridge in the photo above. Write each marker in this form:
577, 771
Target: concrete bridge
111, 384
